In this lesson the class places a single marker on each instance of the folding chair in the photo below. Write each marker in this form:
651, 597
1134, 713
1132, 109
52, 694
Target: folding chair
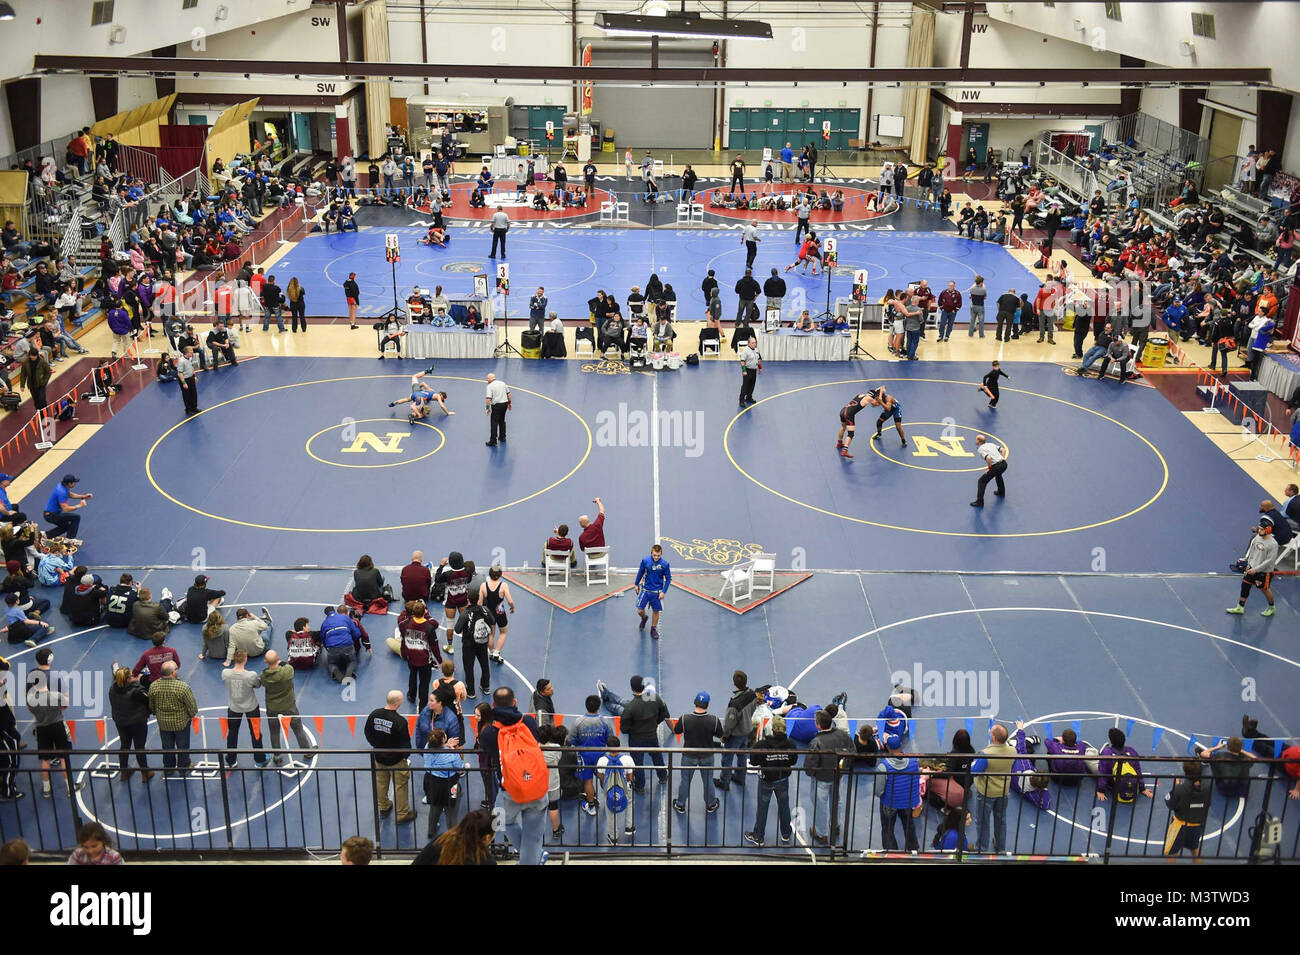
711, 343
764, 566
739, 580
607, 210
597, 568
683, 212
1292, 550
584, 340
556, 566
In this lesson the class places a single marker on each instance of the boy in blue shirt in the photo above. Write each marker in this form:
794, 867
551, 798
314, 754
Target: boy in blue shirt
653, 578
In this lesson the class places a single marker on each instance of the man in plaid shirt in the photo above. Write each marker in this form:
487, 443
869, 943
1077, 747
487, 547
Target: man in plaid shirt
172, 702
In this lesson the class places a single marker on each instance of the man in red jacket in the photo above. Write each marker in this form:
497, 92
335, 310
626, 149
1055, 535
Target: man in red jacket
949, 306
416, 579
149, 666
593, 532
1046, 305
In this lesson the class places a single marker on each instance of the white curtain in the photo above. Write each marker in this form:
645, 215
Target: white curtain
378, 91
916, 99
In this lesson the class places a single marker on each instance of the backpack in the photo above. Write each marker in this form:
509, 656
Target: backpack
524, 774
438, 592
1126, 781
615, 794
479, 627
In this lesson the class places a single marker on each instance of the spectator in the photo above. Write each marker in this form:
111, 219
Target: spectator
524, 819
241, 685
83, 604
385, 730
171, 701
417, 643
1189, 804
901, 798
994, 770
94, 847
949, 306
469, 843
246, 634
342, 639
593, 532
699, 730
736, 728
612, 768
475, 628
149, 666
1121, 776
774, 757
120, 602
147, 617
590, 734
416, 578
1230, 766
1066, 760
304, 645
640, 718
822, 764
200, 600
281, 701
356, 850
46, 699
443, 791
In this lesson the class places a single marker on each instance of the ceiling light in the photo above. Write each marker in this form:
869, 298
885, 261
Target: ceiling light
221, 12
6, 12
687, 26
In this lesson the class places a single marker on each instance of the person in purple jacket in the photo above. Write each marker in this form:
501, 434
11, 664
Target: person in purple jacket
1028, 781
1065, 756
1108, 768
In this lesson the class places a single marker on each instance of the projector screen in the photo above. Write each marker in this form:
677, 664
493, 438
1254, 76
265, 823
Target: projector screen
887, 125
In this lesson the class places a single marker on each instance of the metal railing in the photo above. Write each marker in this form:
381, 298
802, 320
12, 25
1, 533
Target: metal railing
319, 798
1157, 135
1071, 174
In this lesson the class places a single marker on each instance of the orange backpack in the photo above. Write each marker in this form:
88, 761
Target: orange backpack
523, 768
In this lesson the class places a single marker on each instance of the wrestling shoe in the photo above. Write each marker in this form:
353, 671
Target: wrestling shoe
1267, 611
839, 445
840, 699
644, 618
844, 453
876, 436
601, 688
392, 404
1239, 609
654, 633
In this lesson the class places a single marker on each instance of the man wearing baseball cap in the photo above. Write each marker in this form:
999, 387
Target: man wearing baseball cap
200, 600
59, 509
699, 729
7, 511
640, 719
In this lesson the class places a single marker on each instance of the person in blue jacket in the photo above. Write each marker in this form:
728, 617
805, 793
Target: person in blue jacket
342, 638
653, 578
900, 794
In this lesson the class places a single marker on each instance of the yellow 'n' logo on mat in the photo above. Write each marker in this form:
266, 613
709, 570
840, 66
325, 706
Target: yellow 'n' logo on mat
367, 441
952, 445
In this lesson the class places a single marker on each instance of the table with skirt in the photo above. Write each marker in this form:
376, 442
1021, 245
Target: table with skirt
432, 341
786, 344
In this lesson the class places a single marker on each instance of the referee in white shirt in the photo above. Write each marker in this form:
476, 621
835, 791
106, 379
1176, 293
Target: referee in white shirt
995, 459
497, 404
750, 363
187, 378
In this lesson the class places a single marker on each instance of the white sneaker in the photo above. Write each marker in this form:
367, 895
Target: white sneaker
166, 594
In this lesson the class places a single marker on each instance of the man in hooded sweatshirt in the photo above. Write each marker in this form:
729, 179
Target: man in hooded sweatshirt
524, 823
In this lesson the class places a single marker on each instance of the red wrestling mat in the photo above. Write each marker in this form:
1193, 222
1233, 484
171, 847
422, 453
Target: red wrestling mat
855, 209
459, 208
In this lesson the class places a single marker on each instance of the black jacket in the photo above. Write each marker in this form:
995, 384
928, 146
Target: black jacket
196, 603
129, 704
774, 287
775, 757
748, 287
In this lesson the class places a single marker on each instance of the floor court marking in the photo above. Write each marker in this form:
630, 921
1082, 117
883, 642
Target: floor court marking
148, 464
1071, 610
325, 270
1223, 827
726, 444
299, 783
946, 424
442, 439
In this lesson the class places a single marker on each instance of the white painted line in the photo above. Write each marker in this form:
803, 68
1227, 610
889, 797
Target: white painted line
654, 448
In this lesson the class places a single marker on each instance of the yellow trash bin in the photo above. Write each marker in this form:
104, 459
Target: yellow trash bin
1153, 356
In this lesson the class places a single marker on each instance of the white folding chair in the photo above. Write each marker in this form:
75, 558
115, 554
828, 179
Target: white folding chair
556, 565
597, 566
739, 580
1292, 550
607, 211
697, 212
622, 212
764, 572
684, 212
